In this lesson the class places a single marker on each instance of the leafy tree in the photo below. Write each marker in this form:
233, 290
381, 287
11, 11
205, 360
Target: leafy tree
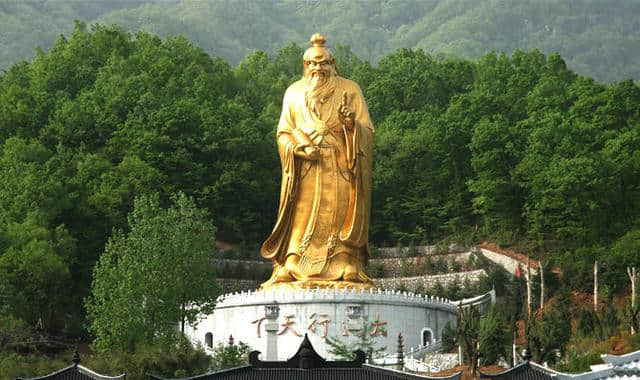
631, 314
468, 335
588, 322
365, 341
33, 283
448, 337
178, 359
156, 274
493, 337
547, 335
230, 355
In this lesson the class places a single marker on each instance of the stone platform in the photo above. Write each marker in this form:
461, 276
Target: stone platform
274, 322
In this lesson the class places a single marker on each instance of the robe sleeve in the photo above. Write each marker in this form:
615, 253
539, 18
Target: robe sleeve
355, 228
275, 244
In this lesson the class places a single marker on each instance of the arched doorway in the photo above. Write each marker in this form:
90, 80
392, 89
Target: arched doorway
427, 337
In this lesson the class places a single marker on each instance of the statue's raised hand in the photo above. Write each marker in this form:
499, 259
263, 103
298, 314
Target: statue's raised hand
345, 113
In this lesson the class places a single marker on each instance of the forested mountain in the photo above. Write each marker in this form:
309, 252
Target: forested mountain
507, 147
596, 38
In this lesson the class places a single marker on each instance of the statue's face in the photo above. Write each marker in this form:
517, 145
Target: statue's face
318, 67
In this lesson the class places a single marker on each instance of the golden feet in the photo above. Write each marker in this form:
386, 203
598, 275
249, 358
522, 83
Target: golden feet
341, 272
317, 284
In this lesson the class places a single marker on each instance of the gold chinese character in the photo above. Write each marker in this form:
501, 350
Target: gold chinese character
345, 332
378, 325
324, 322
259, 322
288, 321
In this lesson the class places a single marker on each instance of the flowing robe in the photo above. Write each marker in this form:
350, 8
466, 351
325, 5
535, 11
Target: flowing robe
323, 216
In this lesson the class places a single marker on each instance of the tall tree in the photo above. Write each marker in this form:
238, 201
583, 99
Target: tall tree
155, 275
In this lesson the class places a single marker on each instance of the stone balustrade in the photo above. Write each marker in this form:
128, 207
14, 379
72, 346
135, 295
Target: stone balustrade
318, 296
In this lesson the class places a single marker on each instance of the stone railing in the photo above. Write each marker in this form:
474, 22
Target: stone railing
421, 351
379, 296
432, 363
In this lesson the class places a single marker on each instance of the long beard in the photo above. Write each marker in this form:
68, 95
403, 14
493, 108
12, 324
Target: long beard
318, 91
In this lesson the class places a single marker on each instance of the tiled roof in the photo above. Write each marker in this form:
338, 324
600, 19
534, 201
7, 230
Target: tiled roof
627, 361
75, 372
524, 371
617, 367
306, 364
366, 372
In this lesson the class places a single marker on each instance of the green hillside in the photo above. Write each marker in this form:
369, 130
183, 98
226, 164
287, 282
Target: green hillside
596, 38
516, 149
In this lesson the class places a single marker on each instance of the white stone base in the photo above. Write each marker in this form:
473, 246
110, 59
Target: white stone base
274, 323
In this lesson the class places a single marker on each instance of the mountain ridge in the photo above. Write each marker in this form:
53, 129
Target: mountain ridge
596, 38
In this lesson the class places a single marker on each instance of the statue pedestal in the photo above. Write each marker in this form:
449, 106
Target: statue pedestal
274, 322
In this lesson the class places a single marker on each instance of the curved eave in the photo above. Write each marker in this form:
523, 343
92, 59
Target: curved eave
406, 375
203, 376
621, 359
506, 372
76, 368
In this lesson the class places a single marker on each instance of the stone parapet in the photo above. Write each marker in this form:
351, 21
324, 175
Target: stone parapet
508, 263
320, 296
274, 322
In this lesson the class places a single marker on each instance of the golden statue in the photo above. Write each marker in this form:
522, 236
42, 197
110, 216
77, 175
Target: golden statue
325, 139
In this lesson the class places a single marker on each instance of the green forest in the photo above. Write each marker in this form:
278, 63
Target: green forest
516, 148
596, 38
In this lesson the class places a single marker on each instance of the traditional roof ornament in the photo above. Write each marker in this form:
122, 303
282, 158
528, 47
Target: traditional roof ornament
76, 357
307, 358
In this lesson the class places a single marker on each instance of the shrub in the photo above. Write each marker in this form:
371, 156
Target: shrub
179, 358
493, 337
587, 323
577, 362
406, 267
427, 266
453, 266
375, 270
230, 355
448, 337
440, 266
437, 290
453, 289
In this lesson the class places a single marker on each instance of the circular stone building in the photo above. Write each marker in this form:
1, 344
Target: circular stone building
274, 322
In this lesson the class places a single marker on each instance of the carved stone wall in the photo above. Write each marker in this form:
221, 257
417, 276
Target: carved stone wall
274, 322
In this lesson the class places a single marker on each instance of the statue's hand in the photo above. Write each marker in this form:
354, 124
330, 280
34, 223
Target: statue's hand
306, 152
345, 113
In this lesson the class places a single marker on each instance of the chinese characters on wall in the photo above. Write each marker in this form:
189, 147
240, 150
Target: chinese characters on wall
317, 323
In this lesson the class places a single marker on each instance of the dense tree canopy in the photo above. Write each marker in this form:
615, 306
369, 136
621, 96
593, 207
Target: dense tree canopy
508, 147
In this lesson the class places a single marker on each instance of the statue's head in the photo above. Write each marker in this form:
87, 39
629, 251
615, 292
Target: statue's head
317, 60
